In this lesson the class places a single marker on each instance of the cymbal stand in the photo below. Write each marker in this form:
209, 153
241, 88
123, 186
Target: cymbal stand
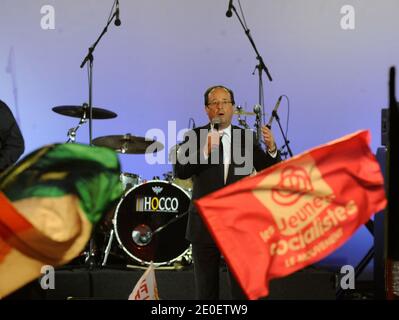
72, 131
125, 145
108, 247
89, 59
241, 122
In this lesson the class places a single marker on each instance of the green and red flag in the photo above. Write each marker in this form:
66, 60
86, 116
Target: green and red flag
49, 203
294, 213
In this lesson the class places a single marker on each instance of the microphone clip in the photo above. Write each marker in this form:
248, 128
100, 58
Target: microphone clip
117, 21
229, 13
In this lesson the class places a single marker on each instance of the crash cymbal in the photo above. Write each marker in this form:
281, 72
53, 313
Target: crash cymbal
128, 144
79, 111
242, 112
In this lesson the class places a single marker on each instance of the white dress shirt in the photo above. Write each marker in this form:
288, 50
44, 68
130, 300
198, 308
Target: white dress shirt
226, 141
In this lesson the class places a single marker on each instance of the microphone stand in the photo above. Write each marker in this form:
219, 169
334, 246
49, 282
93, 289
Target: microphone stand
260, 66
90, 259
90, 58
258, 126
286, 142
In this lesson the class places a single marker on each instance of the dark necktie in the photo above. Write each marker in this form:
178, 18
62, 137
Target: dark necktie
221, 158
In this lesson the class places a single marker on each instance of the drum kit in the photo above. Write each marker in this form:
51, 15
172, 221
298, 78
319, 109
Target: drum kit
150, 219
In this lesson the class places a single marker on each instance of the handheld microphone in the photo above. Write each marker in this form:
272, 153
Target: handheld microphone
269, 124
228, 12
117, 20
216, 123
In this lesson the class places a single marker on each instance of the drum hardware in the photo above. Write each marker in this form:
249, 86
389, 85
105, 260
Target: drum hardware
241, 112
82, 113
108, 248
243, 122
168, 176
149, 224
72, 131
129, 180
142, 234
175, 266
128, 144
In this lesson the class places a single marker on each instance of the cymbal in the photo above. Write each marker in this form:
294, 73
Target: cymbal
128, 144
78, 112
242, 112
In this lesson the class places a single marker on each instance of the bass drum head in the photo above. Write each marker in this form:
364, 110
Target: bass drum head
142, 210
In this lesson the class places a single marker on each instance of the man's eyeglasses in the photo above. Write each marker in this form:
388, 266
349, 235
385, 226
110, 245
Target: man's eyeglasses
214, 104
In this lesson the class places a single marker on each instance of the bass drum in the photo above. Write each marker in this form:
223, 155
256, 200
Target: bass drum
145, 208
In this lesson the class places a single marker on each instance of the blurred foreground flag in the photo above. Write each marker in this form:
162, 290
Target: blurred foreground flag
146, 288
49, 203
296, 212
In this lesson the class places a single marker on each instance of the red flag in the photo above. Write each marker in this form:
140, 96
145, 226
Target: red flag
296, 212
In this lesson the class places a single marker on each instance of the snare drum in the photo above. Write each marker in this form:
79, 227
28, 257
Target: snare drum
142, 210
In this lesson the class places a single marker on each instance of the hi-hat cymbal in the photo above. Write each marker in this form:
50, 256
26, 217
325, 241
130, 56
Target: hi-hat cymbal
128, 144
80, 111
242, 112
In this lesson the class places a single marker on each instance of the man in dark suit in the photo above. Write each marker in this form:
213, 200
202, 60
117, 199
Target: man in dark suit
212, 157
11, 141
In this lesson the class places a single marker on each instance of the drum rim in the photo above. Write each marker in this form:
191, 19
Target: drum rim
114, 223
130, 174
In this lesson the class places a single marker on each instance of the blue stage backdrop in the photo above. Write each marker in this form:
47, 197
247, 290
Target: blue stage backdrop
331, 59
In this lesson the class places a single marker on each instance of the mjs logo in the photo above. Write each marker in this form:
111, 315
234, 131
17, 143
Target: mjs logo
156, 203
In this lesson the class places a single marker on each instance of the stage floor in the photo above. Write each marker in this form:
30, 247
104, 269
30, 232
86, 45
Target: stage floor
117, 283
